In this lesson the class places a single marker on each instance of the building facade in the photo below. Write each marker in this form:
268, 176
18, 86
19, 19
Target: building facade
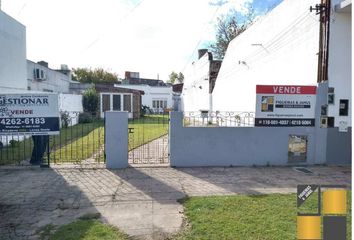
12, 55
157, 98
199, 82
42, 78
279, 48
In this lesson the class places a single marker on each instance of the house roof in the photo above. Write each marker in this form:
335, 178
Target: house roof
150, 82
177, 87
109, 87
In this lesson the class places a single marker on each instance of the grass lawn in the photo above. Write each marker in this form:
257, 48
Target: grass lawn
86, 140
261, 217
84, 230
147, 129
66, 142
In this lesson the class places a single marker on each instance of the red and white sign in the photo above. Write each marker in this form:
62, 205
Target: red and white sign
285, 89
285, 105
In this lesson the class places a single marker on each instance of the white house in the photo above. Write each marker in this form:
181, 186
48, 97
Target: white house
199, 80
340, 62
12, 55
156, 98
42, 78
280, 48
339, 99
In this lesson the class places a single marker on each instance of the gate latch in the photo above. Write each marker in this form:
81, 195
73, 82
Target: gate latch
130, 130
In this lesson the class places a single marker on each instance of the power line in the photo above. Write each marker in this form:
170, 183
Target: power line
119, 21
200, 39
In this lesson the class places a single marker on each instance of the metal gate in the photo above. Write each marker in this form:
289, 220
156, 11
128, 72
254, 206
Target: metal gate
148, 140
81, 141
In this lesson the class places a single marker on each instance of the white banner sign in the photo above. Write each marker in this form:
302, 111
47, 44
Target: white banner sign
285, 106
37, 113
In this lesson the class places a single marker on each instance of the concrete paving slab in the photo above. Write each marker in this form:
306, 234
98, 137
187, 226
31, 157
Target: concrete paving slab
142, 201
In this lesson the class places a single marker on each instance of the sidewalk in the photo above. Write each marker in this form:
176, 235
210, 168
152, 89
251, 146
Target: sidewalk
140, 201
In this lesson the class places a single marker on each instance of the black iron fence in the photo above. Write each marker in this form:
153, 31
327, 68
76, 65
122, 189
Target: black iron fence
148, 139
218, 119
81, 140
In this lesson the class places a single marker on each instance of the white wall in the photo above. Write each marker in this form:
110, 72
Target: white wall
288, 55
12, 55
72, 105
152, 93
55, 81
195, 93
340, 62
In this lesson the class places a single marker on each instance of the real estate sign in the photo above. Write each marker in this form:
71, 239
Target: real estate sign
36, 114
285, 106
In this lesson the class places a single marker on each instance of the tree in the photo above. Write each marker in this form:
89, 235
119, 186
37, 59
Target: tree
229, 27
90, 100
97, 75
176, 77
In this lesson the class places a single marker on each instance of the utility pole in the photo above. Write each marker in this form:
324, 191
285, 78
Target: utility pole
323, 10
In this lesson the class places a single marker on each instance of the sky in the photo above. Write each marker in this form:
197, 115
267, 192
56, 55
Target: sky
153, 37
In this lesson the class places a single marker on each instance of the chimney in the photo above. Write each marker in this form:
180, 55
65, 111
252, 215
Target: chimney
43, 63
201, 52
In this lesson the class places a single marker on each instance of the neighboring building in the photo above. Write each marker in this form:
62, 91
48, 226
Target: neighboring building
158, 94
12, 55
280, 48
157, 98
79, 88
42, 78
176, 98
340, 62
199, 82
133, 78
114, 98
336, 75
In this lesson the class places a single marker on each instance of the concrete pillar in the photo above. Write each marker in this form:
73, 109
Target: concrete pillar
116, 137
176, 125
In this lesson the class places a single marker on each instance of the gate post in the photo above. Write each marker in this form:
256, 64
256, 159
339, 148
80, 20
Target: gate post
116, 139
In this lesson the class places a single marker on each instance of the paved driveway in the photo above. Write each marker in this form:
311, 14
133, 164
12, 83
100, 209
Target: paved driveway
140, 201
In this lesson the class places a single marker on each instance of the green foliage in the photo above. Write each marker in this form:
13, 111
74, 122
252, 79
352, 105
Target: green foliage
86, 117
65, 119
229, 27
14, 143
97, 75
253, 217
176, 77
88, 230
144, 110
90, 100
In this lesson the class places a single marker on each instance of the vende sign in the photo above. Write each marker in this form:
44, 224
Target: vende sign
36, 114
285, 106
281, 89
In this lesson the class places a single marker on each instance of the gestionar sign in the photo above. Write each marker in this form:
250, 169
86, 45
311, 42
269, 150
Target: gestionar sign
33, 113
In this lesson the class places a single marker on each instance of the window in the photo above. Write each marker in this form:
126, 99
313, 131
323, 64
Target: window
127, 103
39, 74
106, 103
343, 107
159, 104
116, 102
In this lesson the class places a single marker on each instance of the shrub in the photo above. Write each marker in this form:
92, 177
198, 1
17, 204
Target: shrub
144, 110
65, 118
90, 100
86, 117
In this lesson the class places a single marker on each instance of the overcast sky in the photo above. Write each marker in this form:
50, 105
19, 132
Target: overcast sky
147, 36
